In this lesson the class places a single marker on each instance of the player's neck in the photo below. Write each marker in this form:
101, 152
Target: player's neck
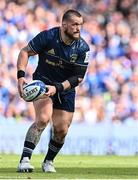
65, 39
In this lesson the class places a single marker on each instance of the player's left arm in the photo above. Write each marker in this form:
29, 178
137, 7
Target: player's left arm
75, 80
78, 72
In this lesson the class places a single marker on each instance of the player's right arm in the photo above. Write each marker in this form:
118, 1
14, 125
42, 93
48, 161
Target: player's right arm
22, 62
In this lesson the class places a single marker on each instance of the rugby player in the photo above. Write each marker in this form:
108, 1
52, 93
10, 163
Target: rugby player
63, 60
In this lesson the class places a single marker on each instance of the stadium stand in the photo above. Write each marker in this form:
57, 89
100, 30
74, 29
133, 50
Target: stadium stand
109, 92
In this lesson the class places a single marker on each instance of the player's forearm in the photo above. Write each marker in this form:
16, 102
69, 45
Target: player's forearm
22, 60
68, 84
24, 54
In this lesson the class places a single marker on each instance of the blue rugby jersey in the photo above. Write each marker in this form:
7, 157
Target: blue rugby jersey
57, 61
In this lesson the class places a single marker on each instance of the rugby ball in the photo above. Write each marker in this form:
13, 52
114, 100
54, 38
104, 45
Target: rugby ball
33, 90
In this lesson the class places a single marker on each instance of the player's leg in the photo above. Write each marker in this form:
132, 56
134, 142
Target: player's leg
61, 121
43, 110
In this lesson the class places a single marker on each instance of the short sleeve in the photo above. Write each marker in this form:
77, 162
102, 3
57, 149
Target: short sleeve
83, 53
80, 66
84, 58
39, 42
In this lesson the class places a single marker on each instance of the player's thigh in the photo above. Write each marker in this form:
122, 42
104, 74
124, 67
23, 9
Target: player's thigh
61, 119
43, 109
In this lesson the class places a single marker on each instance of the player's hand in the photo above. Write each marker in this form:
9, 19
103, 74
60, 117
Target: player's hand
21, 82
51, 90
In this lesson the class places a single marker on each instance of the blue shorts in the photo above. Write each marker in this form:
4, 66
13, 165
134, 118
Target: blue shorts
64, 101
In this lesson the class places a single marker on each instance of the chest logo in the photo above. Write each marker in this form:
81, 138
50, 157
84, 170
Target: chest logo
73, 58
51, 51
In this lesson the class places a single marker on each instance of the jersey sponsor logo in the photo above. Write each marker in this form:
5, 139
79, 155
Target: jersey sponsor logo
86, 60
51, 51
59, 64
73, 58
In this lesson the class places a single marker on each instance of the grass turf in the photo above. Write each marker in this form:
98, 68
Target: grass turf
74, 167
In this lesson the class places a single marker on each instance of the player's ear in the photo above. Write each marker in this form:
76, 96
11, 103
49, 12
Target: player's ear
64, 25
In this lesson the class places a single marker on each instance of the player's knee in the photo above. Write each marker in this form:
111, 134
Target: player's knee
42, 120
61, 132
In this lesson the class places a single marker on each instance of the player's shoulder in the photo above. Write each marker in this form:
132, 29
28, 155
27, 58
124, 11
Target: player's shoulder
83, 52
83, 45
51, 32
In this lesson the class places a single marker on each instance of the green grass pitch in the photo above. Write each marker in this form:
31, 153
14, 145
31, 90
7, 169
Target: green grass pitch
74, 167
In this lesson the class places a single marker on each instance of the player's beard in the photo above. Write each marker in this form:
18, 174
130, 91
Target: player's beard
71, 36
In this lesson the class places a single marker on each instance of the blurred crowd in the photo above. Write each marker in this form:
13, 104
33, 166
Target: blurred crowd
109, 92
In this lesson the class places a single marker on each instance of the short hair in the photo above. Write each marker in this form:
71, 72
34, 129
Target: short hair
69, 13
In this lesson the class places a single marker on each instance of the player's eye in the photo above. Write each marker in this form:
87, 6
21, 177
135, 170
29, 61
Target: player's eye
76, 24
